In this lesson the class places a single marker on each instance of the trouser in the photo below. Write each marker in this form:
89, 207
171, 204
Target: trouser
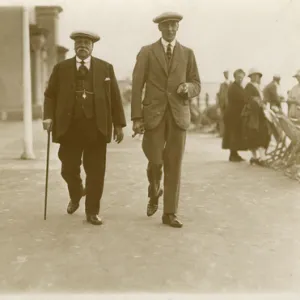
164, 147
92, 153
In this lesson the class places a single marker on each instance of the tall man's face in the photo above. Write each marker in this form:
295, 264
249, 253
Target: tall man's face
83, 47
168, 30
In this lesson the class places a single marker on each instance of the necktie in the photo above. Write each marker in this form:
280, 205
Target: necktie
83, 70
169, 52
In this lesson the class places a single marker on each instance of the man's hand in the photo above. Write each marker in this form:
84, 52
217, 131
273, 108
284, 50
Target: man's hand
138, 127
183, 88
118, 134
47, 125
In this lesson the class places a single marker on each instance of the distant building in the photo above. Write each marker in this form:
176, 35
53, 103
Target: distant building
44, 54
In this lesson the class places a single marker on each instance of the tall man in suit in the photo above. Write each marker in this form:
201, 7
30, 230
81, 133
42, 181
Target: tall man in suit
83, 108
169, 73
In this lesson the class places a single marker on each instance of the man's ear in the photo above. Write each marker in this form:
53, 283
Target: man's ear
159, 27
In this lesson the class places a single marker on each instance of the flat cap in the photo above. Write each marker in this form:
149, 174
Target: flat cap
85, 34
168, 16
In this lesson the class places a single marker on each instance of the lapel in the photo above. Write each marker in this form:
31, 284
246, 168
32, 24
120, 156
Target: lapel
160, 55
100, 72
178, 56
69, 77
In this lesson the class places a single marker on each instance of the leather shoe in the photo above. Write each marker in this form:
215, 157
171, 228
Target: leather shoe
72, 206
236, 159
171, 220
153, 204
94, 219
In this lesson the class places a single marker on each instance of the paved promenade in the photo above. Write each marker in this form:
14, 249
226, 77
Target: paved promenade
241, 226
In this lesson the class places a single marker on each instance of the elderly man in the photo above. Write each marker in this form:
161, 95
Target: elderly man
271, 92
169, 73
294, 99
82, 104
223, 100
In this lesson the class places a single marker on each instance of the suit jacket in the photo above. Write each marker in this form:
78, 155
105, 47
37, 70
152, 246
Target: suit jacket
60, 97
161, 84
271, 95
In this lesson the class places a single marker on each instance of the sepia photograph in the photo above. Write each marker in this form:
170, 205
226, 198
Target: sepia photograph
149, 149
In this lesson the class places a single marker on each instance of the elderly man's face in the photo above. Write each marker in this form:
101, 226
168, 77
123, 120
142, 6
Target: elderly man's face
83, 47
168, 30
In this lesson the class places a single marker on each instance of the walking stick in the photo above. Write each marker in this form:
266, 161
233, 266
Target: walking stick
47, 172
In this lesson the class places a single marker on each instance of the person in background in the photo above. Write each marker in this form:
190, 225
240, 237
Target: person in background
272, 92
294, 99
206, 100
223, 100
233, 139
256, 131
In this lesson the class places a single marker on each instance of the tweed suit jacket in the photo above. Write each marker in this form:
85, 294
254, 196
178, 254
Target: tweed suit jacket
61, 93
161, 83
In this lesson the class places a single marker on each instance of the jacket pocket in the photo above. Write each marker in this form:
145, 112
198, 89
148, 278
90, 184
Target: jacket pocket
146, 102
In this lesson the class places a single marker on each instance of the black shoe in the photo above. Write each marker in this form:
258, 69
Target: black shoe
234, 159
254, 161
171, 220
153, 204
73, 206
94, 219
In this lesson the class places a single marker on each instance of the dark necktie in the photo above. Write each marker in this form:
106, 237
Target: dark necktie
83, 70
169, 52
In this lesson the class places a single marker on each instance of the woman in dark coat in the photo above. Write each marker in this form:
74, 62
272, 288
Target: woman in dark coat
256, 130
233, 139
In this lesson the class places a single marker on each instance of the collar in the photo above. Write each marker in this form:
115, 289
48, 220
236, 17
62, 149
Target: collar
87, 60
165, 43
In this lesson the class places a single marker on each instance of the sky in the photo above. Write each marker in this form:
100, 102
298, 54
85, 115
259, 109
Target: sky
224, 34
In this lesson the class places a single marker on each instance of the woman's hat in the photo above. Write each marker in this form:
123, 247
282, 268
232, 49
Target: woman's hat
238, 71
254, 71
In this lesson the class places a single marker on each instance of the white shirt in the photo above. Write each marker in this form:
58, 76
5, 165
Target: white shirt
87, 62
165, 45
